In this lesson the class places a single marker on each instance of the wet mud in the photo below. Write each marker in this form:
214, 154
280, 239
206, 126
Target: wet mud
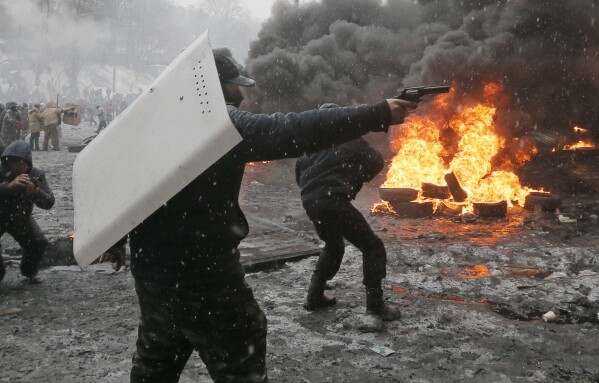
472, 296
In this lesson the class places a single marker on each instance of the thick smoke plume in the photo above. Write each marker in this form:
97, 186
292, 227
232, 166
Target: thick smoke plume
545, 53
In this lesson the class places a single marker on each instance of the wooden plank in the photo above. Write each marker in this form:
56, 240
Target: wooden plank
270, 242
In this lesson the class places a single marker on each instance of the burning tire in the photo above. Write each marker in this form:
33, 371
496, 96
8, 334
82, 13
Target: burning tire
412, 209
433, 191
398, 194
490, 209
545, 201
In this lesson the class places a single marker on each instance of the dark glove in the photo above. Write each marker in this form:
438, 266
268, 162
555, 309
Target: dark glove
116, 255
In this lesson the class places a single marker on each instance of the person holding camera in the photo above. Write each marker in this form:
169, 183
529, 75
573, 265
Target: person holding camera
21, 187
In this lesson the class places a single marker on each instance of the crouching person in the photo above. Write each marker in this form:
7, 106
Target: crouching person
22, 186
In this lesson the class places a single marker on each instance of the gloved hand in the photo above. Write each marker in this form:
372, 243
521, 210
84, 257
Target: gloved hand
400, 109
116, 255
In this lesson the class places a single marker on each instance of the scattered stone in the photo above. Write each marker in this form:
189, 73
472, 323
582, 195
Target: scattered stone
549, 316
9, 310
382, 350
564, 219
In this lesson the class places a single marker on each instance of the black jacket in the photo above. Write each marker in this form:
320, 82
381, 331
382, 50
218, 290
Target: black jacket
15, 204
338, 172
193, 238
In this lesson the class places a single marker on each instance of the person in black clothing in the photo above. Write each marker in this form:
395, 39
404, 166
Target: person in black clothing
185, 259
329, 181
22, 186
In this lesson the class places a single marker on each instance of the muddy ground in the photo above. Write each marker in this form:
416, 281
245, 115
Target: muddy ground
80, 326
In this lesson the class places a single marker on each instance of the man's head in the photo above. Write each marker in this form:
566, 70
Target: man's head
16, 159
228, 72
14, 167
231, 79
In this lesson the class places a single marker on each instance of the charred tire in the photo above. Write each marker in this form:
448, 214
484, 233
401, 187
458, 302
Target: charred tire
545, 201
398, 194
490, 209
76, 148
412, 209
435, 191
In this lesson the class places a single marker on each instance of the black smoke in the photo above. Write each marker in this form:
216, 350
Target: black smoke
545, 53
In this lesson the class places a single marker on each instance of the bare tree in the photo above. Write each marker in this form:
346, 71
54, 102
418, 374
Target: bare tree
224, 9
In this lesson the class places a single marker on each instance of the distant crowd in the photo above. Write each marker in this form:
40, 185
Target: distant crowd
27, 121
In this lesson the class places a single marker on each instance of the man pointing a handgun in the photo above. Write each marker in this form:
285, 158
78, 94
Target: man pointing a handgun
185, 259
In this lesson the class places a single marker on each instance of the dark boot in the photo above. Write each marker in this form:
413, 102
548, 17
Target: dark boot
316, 298
375, 305
29, 265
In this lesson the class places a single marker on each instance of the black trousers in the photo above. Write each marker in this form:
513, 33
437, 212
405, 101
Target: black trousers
31, 239
101, 126
34, 141
336, 219
224, 325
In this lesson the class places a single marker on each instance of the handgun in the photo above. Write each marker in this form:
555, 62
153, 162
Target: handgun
417, 93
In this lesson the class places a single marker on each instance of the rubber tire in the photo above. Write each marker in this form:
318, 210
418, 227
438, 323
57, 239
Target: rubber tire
89, 139
398, 194
490, 209
435, 191
76, 148
547, 202
412, 209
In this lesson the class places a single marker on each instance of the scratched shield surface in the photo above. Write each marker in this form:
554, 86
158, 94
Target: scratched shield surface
172, 133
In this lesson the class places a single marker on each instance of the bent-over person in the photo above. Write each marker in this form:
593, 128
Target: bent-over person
329, 181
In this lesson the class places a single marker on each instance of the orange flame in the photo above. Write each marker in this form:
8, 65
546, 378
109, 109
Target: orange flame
381, 207
463, 141
582, 144
475, 272
256, 163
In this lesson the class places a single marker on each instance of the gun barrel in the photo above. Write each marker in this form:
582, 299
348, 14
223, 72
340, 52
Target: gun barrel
416, 94
437, 89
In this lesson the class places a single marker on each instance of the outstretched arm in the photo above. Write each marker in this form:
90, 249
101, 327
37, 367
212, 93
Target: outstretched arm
276, 136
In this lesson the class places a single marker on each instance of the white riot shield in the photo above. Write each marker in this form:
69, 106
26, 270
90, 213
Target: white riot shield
166, 138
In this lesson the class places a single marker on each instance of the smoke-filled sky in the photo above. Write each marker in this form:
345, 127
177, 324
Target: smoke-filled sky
259, 9
545, 53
